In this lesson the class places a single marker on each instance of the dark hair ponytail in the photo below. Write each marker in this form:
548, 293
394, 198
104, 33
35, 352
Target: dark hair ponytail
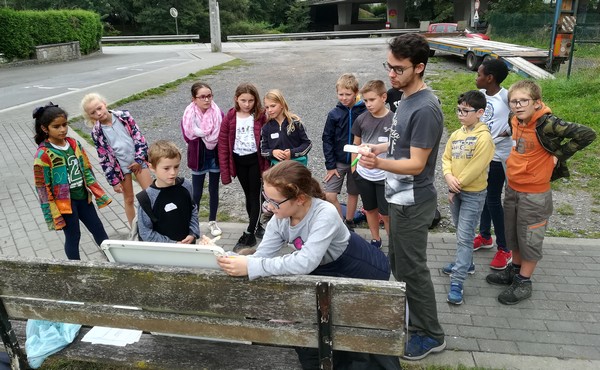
292, 179
43, 117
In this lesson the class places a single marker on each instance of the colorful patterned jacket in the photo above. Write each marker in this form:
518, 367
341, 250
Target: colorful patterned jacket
108, 160
52, 182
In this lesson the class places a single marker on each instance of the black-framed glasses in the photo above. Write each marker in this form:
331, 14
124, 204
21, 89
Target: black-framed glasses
397, 70
519, 102
464, 112
268, 201
205, 97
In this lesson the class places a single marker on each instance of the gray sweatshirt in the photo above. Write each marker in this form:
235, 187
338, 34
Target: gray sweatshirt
320, 238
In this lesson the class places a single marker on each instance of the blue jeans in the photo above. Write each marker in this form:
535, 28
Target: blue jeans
466, 210
493, 211
86, 212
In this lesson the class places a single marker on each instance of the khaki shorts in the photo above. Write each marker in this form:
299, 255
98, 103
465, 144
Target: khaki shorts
526, 218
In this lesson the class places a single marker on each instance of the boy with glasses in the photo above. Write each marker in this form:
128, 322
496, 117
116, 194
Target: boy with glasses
542, 143
412, 150
465, 163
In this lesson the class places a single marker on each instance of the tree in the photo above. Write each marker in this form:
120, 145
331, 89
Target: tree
298, 18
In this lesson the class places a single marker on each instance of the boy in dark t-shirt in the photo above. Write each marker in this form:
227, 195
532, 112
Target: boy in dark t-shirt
174, 216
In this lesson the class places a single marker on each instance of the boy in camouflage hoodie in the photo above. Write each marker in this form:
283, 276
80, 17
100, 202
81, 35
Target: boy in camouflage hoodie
542, 143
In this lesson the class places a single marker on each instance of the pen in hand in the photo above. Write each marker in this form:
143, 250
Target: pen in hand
355, 161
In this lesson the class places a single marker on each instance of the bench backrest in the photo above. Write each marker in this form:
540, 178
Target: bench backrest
366, 315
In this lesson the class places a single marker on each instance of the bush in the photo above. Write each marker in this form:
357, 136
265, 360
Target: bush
24, 30
247, 28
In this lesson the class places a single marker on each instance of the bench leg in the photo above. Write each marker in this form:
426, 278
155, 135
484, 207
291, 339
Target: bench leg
325, 325
17, 357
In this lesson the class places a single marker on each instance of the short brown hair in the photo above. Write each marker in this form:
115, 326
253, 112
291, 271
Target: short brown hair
162, 149
528, 86
376, 86
347, 81
292, 179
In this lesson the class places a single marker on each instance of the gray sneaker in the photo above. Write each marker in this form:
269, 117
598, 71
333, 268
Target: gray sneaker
503, 277
518, 291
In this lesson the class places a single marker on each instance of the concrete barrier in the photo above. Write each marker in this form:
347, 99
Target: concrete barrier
54, 52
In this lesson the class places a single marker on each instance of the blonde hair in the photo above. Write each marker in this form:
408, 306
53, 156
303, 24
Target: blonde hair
276, 96
527, 86
376, 86
85, 102
162, 149
347, 81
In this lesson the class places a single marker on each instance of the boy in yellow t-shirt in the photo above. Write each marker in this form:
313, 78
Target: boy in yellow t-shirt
465, 166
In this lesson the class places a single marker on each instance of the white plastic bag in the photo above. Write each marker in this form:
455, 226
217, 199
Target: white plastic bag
45, 338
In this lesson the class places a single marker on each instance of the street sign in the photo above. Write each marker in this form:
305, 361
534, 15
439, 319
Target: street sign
173, 12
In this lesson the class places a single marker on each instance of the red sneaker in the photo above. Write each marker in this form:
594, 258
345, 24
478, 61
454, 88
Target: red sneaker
501, 260
482, 243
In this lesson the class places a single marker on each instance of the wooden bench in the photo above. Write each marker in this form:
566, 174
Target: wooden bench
320, 312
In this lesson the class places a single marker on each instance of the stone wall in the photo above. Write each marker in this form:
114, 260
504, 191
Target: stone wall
58, 52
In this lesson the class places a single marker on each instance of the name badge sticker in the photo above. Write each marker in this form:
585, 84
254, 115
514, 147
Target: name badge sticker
382, 139
275, 135
170, 207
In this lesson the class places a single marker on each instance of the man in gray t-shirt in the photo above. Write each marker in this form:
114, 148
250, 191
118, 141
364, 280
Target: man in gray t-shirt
410, 164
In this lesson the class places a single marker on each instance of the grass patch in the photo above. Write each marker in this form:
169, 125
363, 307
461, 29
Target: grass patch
565, 209
573, 99
561, 233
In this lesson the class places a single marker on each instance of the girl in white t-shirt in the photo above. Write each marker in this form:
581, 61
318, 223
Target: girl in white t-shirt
239, 154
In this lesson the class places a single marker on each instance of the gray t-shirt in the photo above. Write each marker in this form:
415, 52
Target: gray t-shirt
372, 130
418, 123
121, 143
320, 238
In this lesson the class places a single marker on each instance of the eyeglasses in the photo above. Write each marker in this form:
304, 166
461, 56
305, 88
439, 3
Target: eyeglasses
205, 97
270, 202
519, 103
464, 112
397, 70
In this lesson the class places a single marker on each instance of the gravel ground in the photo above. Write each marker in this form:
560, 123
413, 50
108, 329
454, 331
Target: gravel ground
307, 79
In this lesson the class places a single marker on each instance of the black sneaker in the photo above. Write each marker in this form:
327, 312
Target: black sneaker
517, 292
350, 224
247, 240
504, 277
260, 231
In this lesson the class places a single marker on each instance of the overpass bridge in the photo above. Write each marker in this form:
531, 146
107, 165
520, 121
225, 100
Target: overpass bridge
342, 15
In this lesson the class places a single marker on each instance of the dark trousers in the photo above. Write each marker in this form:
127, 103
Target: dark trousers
213, 192
409, 227
492, 210
86, 212
248, 173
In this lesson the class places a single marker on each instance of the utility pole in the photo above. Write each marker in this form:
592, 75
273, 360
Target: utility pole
215, 26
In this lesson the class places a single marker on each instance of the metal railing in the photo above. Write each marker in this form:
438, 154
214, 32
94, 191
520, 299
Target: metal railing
321, 35
107, 39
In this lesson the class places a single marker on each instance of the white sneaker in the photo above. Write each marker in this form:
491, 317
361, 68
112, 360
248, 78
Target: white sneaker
214, 228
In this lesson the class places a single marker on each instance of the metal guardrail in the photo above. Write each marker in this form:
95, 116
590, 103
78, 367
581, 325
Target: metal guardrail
321, 35
150, 38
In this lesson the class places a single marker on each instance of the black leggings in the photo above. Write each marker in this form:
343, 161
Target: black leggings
248, 173
213, 192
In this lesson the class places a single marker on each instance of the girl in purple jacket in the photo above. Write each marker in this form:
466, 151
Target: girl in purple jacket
239, 155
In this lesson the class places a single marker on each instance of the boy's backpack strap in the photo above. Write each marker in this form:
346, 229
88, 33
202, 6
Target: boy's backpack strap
146, 205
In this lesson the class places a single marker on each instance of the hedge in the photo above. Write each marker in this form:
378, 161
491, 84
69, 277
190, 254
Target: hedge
22, 31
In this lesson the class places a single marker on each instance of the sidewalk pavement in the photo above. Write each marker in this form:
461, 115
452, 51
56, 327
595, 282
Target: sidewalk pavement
558, 328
